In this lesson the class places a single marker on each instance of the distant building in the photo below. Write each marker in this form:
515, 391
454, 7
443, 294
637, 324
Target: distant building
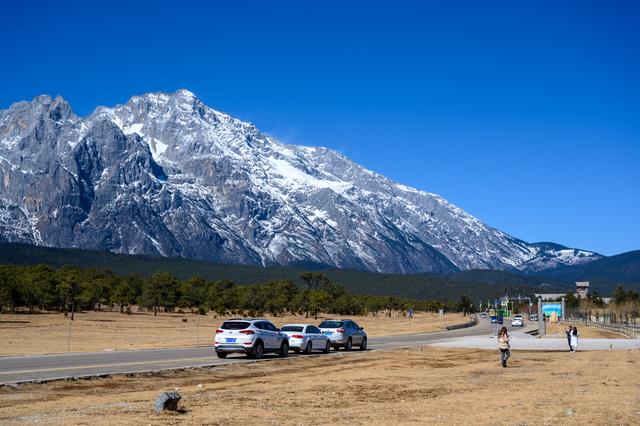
550, 297
582, 289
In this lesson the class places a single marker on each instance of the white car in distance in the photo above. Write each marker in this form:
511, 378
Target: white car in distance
517, 321
306, 338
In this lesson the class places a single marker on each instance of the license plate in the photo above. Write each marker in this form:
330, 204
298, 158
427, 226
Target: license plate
328, 333
230, 340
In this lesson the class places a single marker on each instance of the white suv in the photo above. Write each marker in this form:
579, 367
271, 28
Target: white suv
253, 337
517, 321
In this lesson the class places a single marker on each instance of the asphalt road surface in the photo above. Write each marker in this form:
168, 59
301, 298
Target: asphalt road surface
19, 369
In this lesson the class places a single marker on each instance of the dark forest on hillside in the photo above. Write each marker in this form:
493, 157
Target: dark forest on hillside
479, 285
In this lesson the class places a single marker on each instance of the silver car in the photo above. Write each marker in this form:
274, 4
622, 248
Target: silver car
306, 338
344, 333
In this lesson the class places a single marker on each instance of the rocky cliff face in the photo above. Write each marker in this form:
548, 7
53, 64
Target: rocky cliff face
167, 175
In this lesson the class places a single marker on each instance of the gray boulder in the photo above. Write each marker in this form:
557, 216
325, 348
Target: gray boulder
167, 401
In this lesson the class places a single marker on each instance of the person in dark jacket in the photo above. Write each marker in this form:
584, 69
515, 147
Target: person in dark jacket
574, 339
569, 331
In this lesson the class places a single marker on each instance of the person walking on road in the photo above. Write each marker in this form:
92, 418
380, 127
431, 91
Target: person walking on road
574, 339
503, 345
568, 332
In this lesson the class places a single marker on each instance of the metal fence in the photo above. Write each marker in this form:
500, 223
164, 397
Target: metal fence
629, 331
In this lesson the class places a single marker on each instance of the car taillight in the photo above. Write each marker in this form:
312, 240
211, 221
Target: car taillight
247, 331
219, 331
340, 330
298, 336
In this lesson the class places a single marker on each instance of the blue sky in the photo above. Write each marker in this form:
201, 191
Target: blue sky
525, 114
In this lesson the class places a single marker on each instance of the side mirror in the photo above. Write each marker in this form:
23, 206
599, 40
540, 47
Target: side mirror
361, 328
277, 329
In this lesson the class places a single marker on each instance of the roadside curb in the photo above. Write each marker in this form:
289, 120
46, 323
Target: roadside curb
471, 323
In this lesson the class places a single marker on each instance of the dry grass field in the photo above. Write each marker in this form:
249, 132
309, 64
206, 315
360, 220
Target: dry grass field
432, 386
555, 330
96, 331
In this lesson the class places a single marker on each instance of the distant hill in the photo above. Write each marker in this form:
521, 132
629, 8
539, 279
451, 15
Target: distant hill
605, 273
477, 284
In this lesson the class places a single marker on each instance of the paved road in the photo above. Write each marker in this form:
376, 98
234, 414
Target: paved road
49, 367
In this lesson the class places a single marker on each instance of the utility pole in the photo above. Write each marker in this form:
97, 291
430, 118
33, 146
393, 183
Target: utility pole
69, 337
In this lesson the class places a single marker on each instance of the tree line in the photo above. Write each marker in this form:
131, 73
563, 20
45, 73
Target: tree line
623, 308
67, 289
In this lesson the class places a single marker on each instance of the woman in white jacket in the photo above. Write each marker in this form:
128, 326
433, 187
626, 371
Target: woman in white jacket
574, 339
503, 345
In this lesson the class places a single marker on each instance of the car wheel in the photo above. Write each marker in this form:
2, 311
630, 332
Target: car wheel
221, 354
363, 345
257, 352
327, 347
347, 347
308, 348
284, 350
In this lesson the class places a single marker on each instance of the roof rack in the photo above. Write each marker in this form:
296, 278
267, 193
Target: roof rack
247, 319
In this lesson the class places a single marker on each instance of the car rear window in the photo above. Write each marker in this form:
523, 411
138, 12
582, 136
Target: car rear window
268, 326
291, 328
331, 324
234, 325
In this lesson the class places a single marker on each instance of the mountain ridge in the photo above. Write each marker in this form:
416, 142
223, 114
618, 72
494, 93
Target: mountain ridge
165, 174
623, 268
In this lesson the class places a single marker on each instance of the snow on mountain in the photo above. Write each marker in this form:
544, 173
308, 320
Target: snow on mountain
165, 174
551, 255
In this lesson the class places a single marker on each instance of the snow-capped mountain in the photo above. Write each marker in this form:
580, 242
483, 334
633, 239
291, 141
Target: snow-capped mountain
165, 174
551, 255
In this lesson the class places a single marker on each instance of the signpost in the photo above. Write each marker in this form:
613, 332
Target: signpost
541, 329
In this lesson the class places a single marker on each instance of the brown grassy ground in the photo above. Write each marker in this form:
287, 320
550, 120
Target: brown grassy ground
553, 330
433, 386
95, 331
